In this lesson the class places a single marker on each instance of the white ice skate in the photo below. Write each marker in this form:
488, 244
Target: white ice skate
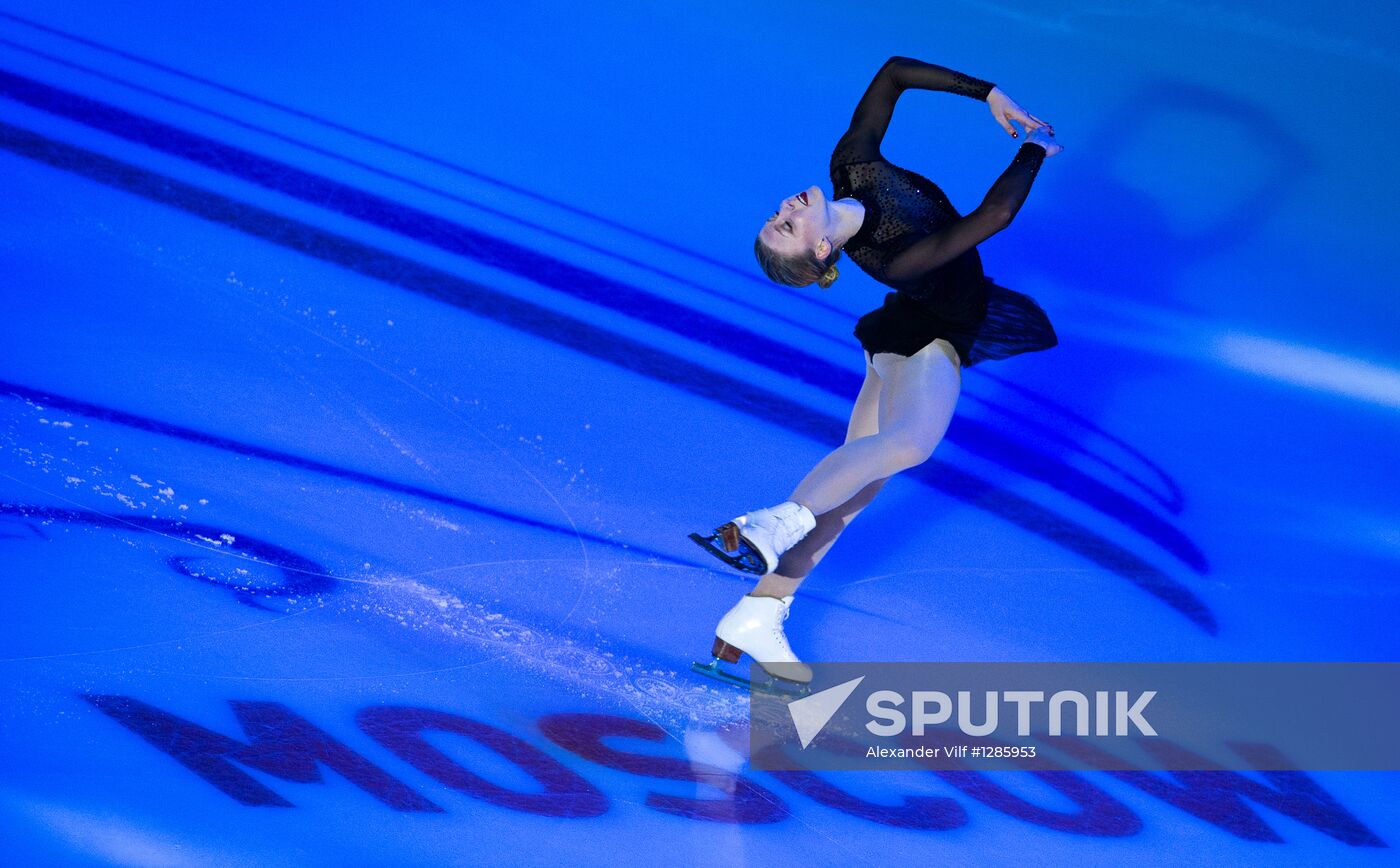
755, 541
755, 627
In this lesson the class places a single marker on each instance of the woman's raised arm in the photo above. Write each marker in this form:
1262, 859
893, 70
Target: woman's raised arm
995, 213
872, 114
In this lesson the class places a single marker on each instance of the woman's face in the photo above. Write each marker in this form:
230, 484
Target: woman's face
800, 224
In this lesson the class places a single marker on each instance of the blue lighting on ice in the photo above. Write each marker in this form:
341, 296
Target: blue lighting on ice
364, 367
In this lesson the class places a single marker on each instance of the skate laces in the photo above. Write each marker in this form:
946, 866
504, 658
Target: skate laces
789, 526
789, 532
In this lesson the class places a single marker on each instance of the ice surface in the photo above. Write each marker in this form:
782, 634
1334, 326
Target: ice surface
374, 393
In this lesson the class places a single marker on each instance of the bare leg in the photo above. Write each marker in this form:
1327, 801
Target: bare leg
916, 401
801, 559
797, 562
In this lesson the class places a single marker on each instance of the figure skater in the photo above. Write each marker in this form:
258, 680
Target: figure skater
943, 314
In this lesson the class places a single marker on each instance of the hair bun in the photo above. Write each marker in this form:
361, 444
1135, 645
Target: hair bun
828, 277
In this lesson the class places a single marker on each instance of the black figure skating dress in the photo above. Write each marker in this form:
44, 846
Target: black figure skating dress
913, 240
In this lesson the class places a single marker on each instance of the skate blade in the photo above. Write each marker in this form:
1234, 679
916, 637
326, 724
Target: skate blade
773, 686
747, 559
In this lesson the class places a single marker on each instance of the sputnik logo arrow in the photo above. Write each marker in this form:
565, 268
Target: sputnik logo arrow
811, 713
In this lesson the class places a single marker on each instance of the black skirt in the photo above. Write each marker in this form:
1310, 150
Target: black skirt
1013, 324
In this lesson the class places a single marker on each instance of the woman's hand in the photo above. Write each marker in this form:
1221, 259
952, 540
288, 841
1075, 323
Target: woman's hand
1005, 110
1045, 137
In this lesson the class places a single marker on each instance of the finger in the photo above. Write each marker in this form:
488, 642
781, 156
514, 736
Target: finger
1006, 125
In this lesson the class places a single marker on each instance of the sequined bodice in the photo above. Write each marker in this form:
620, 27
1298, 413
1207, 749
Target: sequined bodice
900, 208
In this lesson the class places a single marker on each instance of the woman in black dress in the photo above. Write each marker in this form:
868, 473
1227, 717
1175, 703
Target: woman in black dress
943, 314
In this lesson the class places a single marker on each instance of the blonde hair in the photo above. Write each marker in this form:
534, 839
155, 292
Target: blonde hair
797, 270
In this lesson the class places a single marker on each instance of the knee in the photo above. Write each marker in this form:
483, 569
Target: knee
911, 448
